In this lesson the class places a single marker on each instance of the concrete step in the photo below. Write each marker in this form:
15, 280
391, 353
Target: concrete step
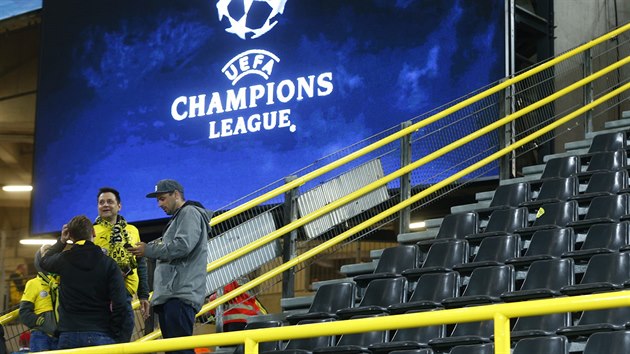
578, 145
608, 130
484, 196
469, 207
533, 170
413, 237
577, 152
520, 179
317, 284
299, 302
351, 270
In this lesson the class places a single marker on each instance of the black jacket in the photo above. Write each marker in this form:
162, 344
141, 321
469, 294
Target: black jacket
92, 294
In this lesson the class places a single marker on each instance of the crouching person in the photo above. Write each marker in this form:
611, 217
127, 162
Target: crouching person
38, 307
92, 294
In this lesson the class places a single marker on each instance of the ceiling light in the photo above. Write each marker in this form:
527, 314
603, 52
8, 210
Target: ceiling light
17, 188
417, 225
38, 241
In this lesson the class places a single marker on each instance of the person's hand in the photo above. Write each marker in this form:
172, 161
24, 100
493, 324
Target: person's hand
137, 251
65, 234
145, 308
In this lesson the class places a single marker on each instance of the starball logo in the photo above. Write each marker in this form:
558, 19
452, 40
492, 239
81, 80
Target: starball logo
248, 20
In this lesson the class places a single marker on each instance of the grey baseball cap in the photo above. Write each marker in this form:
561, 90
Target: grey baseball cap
166, 186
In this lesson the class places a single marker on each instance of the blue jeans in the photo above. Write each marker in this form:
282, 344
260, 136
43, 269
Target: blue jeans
69, 340
40, 341
176, 320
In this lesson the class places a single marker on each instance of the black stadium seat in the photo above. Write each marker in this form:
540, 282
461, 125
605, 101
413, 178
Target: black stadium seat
546, 244
546, 345
601, 238
502, 222
454, 226
441, 257
554, 190
492, 251
379, 294
429, 292
306, 345
506, 196
328, 299
392, 262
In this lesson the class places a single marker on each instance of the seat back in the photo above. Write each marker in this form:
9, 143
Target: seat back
551, 242
396, 259
610, 267
608, 142
446, 254
311, 343
610, 182
498, 248
487, 348
413, 351
492, 281
610, 206
608, 342
458, 225
331, 297
436, 287
510, 195
607, 236
558, 188
540, 325
362, 339
559, 214
507, 220
550, 274
482, 329
547, 345
419, 334
385, 292
561, 167
607, 161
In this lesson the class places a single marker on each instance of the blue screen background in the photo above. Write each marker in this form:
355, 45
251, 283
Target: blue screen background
110, 71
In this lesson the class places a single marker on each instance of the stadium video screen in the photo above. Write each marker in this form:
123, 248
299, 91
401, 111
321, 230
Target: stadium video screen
227, 96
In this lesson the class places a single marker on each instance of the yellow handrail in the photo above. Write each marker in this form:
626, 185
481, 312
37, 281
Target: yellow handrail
501, 313
412, 128
407, 169
343, 236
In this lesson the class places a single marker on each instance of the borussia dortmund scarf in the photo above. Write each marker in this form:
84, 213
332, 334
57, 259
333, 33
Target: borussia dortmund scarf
118, 239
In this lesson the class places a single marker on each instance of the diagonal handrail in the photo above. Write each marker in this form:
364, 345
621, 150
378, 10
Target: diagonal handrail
412, 128
408, 168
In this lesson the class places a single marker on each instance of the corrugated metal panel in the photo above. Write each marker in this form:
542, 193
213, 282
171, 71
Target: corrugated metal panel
234, 239
337, 188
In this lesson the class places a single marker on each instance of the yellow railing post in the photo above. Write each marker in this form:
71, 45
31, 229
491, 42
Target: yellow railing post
501, 334
251, 346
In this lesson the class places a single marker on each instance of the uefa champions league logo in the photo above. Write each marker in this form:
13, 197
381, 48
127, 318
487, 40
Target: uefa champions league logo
250, 19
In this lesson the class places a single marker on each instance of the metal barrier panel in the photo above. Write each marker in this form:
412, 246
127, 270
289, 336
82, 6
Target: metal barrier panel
234, 239
338, 187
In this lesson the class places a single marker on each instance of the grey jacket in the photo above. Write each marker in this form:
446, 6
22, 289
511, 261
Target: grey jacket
181, 255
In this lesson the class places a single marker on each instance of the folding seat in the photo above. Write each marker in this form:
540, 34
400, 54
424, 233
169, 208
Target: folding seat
608, 342
485, 286
454, 226
392, 262
487, 348
409, 339
328, 299
379, 294
469, 333
354, 343
602, 238
602, 184
591, 322
554, 190
544, 279
551, 216
605, 209
537, 326
604, 161
430, 290
607, 142
492, 251
560, 167
604, 272
502, 222
546, 345
305, 345
413, 351
506, 196
441, 257
545, 244
263, 346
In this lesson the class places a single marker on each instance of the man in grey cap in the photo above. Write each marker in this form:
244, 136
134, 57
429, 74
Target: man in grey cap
179, 285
